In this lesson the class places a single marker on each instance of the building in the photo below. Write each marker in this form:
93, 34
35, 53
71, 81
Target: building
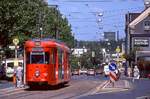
110, 36
78, 51
129, 17
138, 35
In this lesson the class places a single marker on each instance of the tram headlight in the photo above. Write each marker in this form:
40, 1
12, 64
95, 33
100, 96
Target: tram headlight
37, 73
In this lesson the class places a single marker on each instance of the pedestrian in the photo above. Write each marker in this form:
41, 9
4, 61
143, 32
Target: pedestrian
136, 73
14, 77
19, 75
129, 71
106, 70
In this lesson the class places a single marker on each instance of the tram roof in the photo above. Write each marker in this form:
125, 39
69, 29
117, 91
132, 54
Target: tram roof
48, 40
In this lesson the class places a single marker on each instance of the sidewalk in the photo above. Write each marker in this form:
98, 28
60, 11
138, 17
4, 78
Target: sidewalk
121, 85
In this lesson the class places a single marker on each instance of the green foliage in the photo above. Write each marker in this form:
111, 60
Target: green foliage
74, 62
23, 18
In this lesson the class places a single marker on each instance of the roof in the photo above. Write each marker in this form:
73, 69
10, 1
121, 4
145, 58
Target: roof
142, 16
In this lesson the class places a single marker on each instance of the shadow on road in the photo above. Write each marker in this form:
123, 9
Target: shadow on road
46, 87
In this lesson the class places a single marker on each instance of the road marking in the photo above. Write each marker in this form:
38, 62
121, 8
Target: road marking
10, 91
111, 91
106, 84
14, 92
143, 97
101, 86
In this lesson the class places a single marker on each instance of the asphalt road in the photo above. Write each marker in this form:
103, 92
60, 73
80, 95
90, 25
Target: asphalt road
5, 84
80, 87
139, 90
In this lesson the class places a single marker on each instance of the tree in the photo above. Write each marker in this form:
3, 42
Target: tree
24, 18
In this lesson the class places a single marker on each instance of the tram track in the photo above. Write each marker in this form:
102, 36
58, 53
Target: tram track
76, 88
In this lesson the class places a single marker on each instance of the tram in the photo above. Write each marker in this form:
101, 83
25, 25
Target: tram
46, 62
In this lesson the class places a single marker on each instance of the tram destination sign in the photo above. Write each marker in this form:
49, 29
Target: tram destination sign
37, 49
141, 42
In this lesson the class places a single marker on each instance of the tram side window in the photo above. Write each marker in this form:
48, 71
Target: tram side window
53, 56
47, 58
60, 61
28, 58
60, 56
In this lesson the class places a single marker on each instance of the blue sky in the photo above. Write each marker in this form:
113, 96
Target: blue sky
83, 16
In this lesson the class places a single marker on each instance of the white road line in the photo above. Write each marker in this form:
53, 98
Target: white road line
99, 87
111, 91
143, 97
106, 84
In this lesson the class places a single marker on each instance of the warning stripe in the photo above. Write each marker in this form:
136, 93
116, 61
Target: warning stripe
113, 76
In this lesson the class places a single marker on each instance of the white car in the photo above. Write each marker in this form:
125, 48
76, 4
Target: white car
91, 72
106, 70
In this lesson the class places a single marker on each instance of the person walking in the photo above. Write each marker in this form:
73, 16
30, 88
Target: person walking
136, 73
14, 77
19, 75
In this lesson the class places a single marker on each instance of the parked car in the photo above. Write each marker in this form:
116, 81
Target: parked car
99, 71
83, 71
76, 72
91, 72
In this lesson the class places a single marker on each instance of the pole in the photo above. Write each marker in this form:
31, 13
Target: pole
24, 68
15, 51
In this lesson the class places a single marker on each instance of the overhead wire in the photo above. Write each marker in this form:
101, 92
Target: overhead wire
112, 14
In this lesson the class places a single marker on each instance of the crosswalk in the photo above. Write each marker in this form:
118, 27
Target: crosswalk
10, 91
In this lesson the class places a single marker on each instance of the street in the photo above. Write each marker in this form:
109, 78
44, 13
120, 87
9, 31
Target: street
77, 86
80, 87
138, 90
75, 49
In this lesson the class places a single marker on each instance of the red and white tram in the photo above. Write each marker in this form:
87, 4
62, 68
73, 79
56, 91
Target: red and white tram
46, 62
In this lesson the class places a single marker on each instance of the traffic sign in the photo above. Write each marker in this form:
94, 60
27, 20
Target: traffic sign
112, 67
117, 49
113, 76
15, 41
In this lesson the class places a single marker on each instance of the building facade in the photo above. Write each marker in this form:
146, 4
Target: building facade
138, 36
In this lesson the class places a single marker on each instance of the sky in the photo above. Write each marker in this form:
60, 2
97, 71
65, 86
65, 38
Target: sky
91, 18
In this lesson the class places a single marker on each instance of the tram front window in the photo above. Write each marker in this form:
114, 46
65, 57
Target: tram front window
37, 59
40, 58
